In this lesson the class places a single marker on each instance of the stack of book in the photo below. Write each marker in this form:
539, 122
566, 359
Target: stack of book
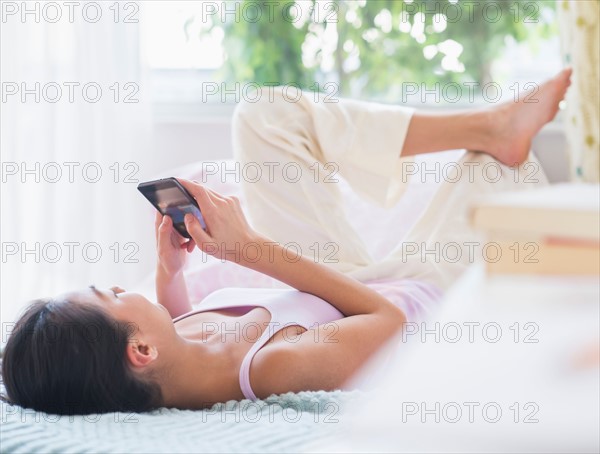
551, 230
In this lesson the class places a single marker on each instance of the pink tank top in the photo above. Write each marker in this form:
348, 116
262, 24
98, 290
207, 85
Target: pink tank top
288, 307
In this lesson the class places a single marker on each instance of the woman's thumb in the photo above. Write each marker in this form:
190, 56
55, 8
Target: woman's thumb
195, 229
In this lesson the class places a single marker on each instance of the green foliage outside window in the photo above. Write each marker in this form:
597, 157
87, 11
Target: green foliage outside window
370, 48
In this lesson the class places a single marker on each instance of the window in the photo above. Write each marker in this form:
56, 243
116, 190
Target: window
442, 52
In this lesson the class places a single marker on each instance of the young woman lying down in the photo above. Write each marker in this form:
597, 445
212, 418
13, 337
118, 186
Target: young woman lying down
100, 350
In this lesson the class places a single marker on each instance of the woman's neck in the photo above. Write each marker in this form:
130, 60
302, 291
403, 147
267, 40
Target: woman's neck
198, 375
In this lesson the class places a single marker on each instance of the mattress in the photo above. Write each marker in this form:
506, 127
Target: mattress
289, 422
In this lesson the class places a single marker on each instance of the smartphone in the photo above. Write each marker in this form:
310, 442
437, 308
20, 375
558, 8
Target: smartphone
171, 199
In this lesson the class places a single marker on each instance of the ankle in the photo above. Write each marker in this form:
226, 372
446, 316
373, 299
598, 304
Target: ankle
485, 124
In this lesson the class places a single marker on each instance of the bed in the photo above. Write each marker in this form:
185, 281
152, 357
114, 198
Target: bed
290, 422
285, 423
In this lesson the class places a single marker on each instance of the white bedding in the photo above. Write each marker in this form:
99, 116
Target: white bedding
290, 422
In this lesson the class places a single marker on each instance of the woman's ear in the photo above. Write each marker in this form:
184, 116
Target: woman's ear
140, 354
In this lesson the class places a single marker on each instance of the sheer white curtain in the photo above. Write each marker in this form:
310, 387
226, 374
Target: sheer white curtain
65, 219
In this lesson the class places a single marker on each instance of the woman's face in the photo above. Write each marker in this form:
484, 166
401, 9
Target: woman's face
149, 319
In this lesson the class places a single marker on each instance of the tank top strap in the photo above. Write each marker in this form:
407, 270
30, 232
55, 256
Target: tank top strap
244, 375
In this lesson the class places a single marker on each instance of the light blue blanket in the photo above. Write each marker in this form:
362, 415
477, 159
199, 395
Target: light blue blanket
291, 422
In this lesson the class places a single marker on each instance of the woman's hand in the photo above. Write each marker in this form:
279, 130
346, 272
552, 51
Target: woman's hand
172, 248
227, 230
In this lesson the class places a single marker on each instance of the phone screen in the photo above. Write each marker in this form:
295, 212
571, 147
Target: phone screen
171, 199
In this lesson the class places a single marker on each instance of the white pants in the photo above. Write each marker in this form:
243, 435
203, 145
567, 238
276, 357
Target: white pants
362, 143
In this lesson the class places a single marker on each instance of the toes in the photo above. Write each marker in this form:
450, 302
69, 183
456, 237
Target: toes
566, 75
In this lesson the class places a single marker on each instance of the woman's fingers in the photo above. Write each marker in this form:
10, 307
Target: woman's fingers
191, 245
164, 230
196, 231
157, 222
200, 193
216, 195
225, 221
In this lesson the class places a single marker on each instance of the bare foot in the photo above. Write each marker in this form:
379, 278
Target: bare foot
514, 124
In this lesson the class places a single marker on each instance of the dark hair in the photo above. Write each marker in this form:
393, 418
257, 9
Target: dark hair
68, 358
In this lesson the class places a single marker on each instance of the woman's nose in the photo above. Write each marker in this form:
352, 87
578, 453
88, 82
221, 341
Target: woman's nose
117, 289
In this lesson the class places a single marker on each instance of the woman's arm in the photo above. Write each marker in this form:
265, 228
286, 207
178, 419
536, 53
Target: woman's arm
172, 250
171, 292
348, 295
327, 356
229, 235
